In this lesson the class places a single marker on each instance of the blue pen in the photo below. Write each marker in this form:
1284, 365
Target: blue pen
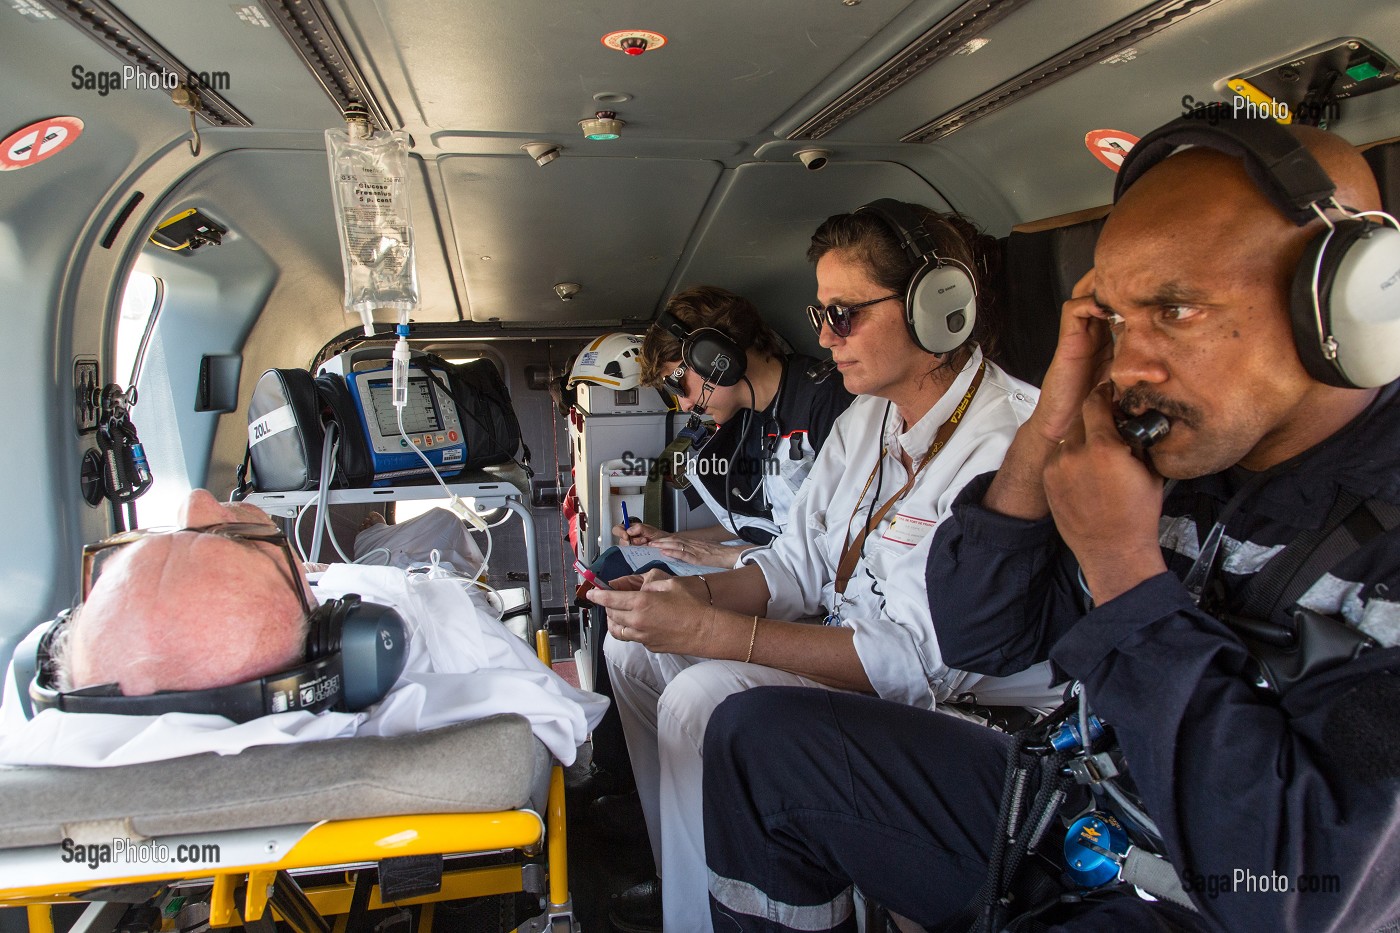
626, 519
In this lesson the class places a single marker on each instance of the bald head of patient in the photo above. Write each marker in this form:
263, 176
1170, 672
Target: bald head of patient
188, 611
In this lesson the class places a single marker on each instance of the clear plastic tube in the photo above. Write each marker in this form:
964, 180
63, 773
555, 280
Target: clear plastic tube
455, 503
402, 358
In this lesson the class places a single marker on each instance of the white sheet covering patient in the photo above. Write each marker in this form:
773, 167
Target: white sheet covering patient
190, 611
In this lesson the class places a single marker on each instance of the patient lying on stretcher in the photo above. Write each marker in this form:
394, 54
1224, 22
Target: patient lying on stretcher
219, 604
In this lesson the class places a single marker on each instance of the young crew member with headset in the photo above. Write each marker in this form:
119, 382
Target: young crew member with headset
713, 352
838, 600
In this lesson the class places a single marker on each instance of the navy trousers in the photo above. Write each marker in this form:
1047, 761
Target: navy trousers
810, 791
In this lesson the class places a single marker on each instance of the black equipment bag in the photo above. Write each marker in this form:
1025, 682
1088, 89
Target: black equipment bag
354, 465
290, 408
284, 434
489, 424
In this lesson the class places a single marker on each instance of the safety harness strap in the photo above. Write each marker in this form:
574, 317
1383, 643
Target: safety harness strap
652, 513
1350, 525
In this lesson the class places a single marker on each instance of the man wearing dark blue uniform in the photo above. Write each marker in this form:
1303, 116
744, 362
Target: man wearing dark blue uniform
1269, 773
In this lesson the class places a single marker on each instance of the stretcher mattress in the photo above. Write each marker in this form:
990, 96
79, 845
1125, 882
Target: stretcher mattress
480, 766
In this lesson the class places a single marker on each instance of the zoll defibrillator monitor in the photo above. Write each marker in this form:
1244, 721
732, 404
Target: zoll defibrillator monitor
429, 422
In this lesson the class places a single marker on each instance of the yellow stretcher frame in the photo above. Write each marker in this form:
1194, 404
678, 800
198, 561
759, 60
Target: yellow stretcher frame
357, 844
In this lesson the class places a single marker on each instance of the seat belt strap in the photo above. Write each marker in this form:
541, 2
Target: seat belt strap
1351, 523
653, 506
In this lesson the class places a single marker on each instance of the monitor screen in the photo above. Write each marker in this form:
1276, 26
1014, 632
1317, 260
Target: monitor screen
419, 415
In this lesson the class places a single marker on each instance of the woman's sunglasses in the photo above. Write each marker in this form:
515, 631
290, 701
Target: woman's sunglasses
839, 317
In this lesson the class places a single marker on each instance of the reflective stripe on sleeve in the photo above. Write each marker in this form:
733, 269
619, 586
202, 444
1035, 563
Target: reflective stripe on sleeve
743, 898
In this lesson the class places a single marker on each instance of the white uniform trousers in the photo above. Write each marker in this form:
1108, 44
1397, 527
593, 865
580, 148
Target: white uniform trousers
665, 702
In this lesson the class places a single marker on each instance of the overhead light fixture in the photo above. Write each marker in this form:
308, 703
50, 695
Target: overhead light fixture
542, 153
602, 125
634, 42
567, 290
814, 159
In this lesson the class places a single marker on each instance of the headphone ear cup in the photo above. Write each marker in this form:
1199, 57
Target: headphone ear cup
1304, 313
717, 359
323, 630
1356, 304
940, 307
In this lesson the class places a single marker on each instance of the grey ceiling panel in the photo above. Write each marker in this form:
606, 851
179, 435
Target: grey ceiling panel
616, 227
730, 67
1022, 40
748, 248
1035, 148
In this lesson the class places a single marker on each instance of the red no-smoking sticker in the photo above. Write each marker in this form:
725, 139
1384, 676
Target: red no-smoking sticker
38, 141
1110, 146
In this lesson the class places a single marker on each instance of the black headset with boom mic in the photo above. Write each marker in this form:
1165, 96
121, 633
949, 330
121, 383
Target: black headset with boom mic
707, 351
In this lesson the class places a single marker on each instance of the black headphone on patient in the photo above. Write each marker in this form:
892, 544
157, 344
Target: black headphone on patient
940, 301
1345, 297
355, 651
707, 351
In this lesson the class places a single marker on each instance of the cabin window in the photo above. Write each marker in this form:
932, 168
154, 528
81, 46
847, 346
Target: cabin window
138, 315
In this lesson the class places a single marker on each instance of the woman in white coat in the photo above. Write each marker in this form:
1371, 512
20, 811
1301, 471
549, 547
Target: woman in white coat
838, 600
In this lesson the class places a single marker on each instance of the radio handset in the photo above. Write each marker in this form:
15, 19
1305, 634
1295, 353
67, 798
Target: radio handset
1145, 429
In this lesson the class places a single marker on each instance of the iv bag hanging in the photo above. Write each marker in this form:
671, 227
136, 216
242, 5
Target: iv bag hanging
369, 184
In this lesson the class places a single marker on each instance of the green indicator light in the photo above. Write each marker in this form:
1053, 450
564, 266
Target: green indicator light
1363, 71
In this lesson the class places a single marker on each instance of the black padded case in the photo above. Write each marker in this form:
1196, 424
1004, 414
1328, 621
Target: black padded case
284, 432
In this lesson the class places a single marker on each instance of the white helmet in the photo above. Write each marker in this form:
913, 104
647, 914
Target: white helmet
610, 360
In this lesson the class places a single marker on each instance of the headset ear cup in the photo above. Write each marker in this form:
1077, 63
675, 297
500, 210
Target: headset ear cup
714, 357
324, 628
1304, 312
1356, 304
940, 308
913, 318
1361, 301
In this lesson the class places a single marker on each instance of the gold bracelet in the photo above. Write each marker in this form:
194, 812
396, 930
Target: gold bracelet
708, 591
748, 658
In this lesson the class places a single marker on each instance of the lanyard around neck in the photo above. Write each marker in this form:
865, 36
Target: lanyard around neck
851, 551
